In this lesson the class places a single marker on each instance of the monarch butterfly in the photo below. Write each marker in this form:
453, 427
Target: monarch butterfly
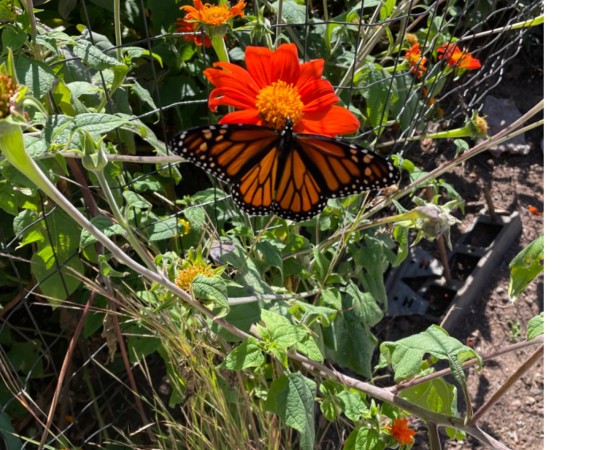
281, 172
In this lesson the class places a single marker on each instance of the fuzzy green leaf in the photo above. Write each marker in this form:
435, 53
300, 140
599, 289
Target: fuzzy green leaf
436, 395
355, 344
211, 289
105, 225
406, 355
247, 354
36, 75
535, 327
364, 438
354, 405
94, 57
292, 398
164, 229
525, 267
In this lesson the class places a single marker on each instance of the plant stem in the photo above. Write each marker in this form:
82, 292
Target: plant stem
117, 19
534, 358
129, 234
218, 43
434, 437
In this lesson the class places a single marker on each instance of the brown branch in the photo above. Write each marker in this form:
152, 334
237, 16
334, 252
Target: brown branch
534, 358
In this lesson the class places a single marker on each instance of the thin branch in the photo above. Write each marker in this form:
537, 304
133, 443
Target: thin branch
508, 384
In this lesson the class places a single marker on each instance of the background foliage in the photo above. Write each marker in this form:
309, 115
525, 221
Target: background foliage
98, 343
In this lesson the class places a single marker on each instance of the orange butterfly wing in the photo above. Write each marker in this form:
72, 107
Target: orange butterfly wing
291, 175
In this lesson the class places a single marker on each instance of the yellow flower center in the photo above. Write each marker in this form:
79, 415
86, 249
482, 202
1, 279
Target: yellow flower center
8, 89
277, 102
186, 276
481, 126
215, 14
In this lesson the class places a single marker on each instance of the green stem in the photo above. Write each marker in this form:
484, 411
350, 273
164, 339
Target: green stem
218, 43
121, 220
117, 18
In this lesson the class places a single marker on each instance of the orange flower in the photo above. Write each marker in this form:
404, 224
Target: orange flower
275, 87
415, 60
401, 432
188, 27
213, 15
533, 210
456, 57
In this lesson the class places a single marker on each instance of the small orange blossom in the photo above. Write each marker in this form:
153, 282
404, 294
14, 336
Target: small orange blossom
415, 60
213, 15
183, 26
401, 431
456, 57
275, 87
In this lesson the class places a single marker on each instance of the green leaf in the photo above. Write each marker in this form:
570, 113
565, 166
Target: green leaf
96, 123
94, 57
55, 264
355, 344
26, 358
164, 229
376, 92
525, 267
105, 225
36, 75
143, 95
249, 276
400, 234
292, 398
211, 289
270, 254
363, 305
145, 183
12, 198
135, 200
364, 438
436, 395
281, 330
354, 405
406, 355
13, 38
535, 327
247, 354
8, 435
57, 284
141, 344
292, 12
373, 256
386, 9
308, 346
196, 217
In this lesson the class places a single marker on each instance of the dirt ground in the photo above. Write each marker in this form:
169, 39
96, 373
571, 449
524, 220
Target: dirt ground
516, 182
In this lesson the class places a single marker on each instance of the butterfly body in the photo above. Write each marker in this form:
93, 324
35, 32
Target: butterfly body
288, 174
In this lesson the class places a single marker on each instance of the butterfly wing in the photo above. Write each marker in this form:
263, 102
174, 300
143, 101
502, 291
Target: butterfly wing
291, 175
316, 168
245, 156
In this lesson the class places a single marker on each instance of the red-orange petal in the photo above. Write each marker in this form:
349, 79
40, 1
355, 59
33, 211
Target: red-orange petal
285, 65
245, 116
309, 72
336, 121
233, 86
468, 62
258, 63
317, 96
